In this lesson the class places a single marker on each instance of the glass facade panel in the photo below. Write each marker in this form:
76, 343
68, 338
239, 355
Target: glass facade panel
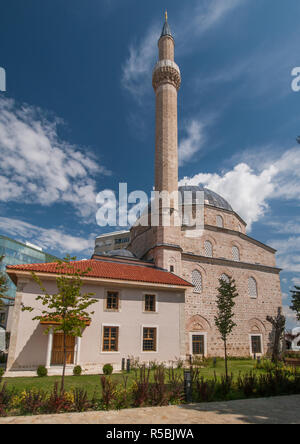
16, 253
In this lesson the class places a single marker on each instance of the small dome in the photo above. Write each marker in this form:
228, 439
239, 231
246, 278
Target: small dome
120, 253
210, 197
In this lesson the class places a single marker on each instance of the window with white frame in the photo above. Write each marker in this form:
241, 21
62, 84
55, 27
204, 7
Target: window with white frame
197, 281
256, 345
208, 249
220, 222
235, 253
252, 288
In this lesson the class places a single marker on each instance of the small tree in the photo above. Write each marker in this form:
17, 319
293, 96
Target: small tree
296, 301
67, 308
3, 284
278, 323
227, 292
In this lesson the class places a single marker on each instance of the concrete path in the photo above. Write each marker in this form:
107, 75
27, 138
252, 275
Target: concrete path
279, 410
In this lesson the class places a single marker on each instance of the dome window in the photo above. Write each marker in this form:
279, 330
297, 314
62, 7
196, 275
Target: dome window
220, 222
208, 249
235, 254
197, 281
252, 288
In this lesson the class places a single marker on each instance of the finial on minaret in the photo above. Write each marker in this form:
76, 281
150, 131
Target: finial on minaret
166, 29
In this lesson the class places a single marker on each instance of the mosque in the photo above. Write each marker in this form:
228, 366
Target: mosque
157, 297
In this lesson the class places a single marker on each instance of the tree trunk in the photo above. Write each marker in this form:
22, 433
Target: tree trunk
226, 366
62, 388
276, 347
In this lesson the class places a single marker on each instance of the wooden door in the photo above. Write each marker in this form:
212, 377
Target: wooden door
58, 349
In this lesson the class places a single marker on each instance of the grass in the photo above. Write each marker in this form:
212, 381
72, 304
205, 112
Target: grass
92, 382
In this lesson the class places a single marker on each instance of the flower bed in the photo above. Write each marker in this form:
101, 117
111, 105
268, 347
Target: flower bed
166, 387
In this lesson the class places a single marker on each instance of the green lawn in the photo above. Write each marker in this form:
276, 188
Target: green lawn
92, 382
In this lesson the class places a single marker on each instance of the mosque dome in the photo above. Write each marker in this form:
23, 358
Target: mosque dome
210, 197
120, 253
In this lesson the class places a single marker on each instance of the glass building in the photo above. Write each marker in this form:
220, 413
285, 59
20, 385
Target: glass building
15, 253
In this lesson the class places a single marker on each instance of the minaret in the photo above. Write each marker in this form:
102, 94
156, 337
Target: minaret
166, 83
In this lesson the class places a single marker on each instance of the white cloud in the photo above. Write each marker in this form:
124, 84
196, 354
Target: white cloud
249, 190
192, 143
136, 71
192, 22
296, 281
37, 166
48, 239
290, 315
245, 190
210, 13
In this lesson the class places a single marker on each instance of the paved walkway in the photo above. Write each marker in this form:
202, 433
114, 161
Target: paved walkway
280, 410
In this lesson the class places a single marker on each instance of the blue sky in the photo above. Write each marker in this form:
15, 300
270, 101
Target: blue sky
78, 113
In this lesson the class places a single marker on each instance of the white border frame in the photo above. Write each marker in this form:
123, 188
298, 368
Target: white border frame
198, 333
112, 290
101, 340
156, 302
157, 339
261, 341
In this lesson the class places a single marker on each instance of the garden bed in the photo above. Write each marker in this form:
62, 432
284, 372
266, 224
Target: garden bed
145, 387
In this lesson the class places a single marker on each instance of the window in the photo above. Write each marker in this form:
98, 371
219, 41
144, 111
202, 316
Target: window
256, 344
225, 278
197, 281
220, 222
112, 300
150, 302
110, 339
208, 249
235, 254
172, 268
252, 288
198, 344
149, 339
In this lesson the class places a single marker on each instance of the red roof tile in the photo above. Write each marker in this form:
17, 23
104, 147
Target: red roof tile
109, 270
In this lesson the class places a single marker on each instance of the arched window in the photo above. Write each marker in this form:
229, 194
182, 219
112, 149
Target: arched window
235, 253
197, 281
225, 277
208, 249
220, 222
252, 288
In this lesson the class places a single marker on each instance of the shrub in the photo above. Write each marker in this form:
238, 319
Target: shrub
108, 392
206, 389
122, 395
77, 370
176, 388
107, 369
5, 400
158, 393
247, 384
81, 402
59, 402
42, 371
2, 371
140, 389
32, 401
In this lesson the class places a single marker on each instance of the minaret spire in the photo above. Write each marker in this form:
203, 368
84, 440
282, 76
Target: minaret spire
166, 28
